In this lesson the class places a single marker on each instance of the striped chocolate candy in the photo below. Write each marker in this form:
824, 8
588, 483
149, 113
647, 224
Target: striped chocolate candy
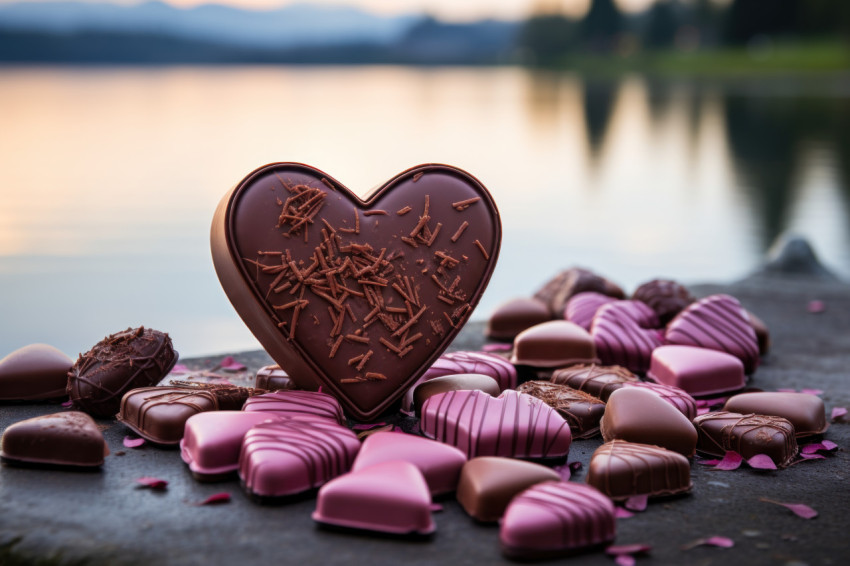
625, 333
295, 403
583, 307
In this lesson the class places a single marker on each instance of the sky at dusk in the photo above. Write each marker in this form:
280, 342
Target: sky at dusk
457, 10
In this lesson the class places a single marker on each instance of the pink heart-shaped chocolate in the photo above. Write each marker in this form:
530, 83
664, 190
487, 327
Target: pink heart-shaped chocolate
717, 322
625, 334
358, 297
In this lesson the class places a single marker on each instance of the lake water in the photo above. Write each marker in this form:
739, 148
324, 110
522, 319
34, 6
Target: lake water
109, 178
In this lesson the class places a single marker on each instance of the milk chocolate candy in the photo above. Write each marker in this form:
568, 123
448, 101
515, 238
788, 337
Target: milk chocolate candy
553, 344
621, 470
600, 381
667, 298
748, 435
487, 484
679, 398
581, 410
358, 297
134, 358
558, 290
699, 371
625, 334
583, 307
514, 316
638, 415
555, 519
806, 412
37, 371
273, 378
62, 439
460, 382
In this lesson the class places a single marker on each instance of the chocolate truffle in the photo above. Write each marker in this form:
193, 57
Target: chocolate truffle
679, 398
667, 298
297, 403
805, 411
699, 371
61, 439
553, 344
460, 382
640, 416
513, 425
625, 333
273, 378
439, 463
554, 519
717, 322
134, 358
37, 371
488, 484
599, 381
621, 470
511, 318
391, 497
558, 290
581, 410
748, 435
583, 307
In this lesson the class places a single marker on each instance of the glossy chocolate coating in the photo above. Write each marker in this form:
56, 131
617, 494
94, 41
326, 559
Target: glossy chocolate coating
357, 297
273, 378
625, 334
460, 382
762, 333
555, 519
37, 371
514, 316
638, 415
581, 410
679, 398
667, 298
454, 363
699, 371
599, 381
487, 484
134, 358
558, 290
553, 344
581, 308
806, 412
621, 470
62, 439
748, 435
297, 404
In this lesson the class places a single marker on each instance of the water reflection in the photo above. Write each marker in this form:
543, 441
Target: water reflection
108, 178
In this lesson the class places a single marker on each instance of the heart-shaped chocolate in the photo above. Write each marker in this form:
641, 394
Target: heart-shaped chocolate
358, 297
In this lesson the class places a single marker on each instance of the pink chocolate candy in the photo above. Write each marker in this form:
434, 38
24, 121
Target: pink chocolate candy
677, 397
439, 463
289, 456
554, 519
513, 425
717, 322
212, 440
625, 334
698, 371
582, 308
391, 497
295, 403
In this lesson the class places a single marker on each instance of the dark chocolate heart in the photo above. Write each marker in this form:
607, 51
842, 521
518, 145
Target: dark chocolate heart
358, 297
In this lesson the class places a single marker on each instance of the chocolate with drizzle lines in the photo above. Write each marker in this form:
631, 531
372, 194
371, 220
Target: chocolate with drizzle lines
748, 435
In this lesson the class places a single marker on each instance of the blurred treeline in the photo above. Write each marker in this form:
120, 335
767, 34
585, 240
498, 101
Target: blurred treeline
550, 36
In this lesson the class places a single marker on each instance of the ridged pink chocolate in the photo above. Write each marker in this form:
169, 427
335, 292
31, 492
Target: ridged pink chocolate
625, 334
295, 403
717, 322
290, 456
621, 470
583, 307
679, 398
557, 518
513, 425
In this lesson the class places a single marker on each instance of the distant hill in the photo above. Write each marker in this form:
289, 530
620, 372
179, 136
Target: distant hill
155, 32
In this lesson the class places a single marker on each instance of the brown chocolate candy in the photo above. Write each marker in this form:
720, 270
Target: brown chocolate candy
459, 382
134, 358
621, 470
62, 439
553, 344
514, 316
806, 412
558, 290
748, 435
667, 298
581, 410
599, 381
273, 378
37, 371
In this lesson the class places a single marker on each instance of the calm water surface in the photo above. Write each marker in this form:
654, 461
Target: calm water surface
109, 178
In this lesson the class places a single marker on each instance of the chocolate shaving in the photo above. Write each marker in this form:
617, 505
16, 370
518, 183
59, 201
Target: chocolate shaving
418, 176
464, 204
374, 212
483, 251
460, 231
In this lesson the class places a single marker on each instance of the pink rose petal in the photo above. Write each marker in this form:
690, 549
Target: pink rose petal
229, 364
133, 442
636, 503
761, 462
637, 548
812, 391
816, 307
70, 403
714, 402
708, 462
722, 542
731, 461
496, 347
436, 508
804, 457
621, 513
564, 471
367, 426
216, 499
815, 447
152, 483
179, 369
799, 509
838, 414
625, 560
